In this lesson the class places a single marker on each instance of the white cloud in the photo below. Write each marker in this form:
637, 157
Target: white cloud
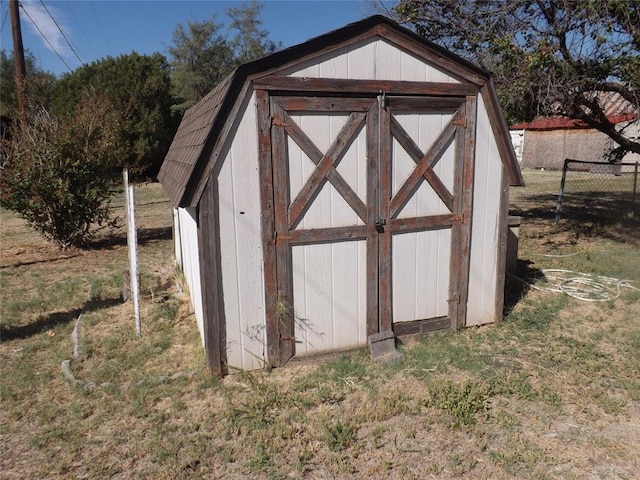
36, 13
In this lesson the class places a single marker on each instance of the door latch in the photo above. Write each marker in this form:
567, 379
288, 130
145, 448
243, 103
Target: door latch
379, 224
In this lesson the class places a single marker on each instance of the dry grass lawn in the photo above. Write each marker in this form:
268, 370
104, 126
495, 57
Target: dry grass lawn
551, 392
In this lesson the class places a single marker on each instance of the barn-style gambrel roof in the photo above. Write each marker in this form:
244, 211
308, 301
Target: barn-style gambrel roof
189, 159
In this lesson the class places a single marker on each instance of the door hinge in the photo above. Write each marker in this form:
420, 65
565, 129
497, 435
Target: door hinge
287, 338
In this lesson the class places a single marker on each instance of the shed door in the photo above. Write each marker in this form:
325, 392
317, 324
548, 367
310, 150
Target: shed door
371, 217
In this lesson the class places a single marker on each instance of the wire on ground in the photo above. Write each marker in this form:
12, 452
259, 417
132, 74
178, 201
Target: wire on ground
582, 286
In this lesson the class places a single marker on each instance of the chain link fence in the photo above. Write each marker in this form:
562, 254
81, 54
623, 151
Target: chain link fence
598, 189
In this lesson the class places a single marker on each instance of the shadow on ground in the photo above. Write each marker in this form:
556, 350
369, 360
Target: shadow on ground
584, 215
145, 235
47, 322
518, 284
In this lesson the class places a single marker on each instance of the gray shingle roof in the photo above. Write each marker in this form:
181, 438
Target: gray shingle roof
189, 142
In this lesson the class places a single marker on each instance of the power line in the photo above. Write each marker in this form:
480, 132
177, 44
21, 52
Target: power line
46, 39
4, 20
63, 34
82, 30
99, 24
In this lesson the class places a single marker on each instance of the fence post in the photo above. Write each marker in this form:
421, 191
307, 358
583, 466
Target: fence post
561, 194
132, 244
635, 191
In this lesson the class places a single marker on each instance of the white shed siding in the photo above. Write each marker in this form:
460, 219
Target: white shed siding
329, 292
420, 275
420, 266
329, 281
186, 246
488, 176
241, 244
177, 238
370, 60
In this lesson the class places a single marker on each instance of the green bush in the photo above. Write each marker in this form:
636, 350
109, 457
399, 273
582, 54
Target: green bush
60, 175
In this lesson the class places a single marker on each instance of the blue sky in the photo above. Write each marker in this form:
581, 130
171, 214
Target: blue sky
98, 28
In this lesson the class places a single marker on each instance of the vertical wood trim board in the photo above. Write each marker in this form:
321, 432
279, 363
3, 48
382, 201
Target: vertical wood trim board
373, 185
467, 207
211, 281
384, 207
284, 321
267, 224
463, 206
456, 229
501, 260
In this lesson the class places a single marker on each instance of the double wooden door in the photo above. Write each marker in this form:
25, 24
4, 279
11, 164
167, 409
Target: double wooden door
371, 216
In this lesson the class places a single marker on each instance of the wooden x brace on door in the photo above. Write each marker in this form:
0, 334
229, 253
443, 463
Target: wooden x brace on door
425, 164
326, 164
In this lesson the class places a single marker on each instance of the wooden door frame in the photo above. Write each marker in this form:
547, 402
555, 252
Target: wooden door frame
462, 129
277, 251
463, 207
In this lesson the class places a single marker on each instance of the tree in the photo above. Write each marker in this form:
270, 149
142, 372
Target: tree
202, 55
139, 88
57, 174
250, 42
548, 57
39, 83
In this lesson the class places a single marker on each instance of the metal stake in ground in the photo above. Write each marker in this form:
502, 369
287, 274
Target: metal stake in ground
132, 244
561, 194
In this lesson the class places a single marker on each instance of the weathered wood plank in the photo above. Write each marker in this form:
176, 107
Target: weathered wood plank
503, 231
456, 260
421, 326
267, 223
365, 87
430, 104
323, 235
373, 186
386, 173
297, 104
284, 298
214, 325
416, 224
467, 203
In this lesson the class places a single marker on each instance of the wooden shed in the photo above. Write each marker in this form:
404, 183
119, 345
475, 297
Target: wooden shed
349, 185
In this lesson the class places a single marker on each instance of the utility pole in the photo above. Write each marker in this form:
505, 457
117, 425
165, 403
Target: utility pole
18, 55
